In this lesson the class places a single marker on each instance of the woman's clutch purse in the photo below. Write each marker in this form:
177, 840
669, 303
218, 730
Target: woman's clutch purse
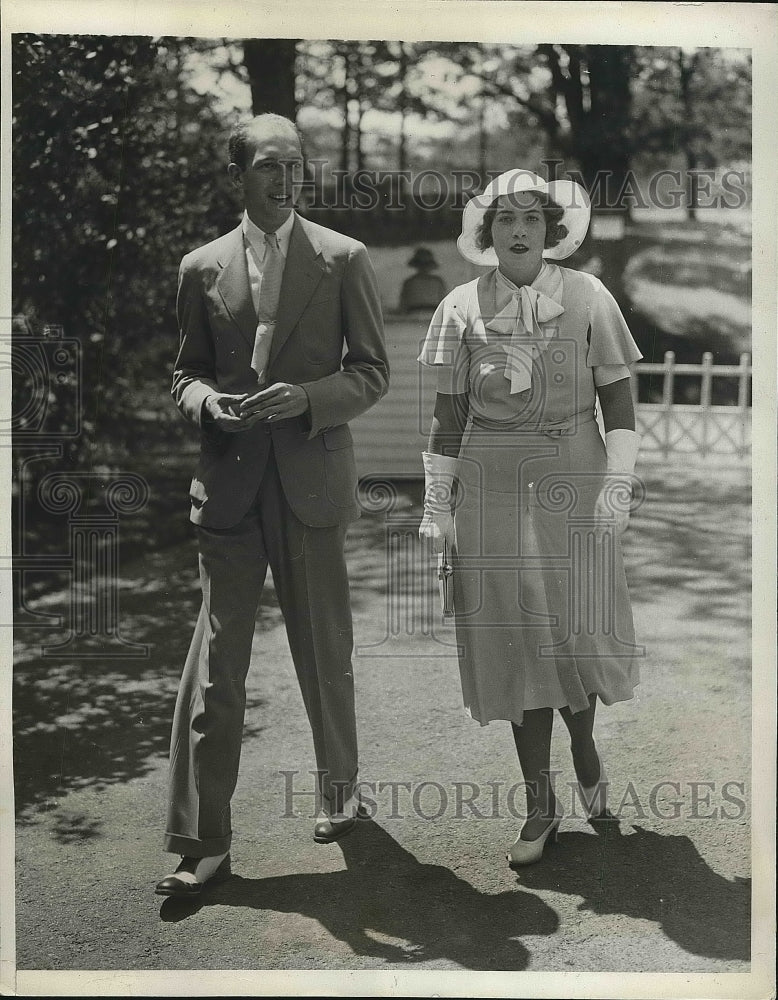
446, 584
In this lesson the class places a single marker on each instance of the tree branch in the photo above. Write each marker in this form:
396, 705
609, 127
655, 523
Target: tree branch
545, 115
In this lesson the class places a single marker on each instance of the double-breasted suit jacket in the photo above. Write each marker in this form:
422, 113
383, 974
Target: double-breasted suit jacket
328, 338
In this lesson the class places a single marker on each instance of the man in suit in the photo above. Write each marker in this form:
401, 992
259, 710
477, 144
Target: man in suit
281, 345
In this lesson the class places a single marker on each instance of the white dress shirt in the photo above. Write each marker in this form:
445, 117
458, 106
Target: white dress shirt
254, 242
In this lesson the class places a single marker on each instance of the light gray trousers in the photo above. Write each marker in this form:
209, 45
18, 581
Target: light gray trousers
310, 577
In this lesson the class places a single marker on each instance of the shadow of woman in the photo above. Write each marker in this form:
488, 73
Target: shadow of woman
388, 905
651, 876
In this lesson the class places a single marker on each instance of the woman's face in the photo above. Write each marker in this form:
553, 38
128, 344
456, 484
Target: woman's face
519, 233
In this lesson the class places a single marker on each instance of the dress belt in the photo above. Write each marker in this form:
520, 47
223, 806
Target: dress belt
552, 428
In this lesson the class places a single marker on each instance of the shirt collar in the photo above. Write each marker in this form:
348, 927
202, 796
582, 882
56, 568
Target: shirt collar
256, 236
548, 282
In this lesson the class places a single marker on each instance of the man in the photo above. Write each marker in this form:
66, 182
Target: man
281, 345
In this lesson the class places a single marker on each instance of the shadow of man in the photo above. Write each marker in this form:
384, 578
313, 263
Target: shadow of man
651, 876
388, 905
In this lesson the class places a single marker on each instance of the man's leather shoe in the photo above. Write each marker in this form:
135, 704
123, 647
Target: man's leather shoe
330, 828
191, 875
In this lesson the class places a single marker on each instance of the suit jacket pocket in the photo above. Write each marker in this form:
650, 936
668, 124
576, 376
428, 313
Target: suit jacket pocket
340, 467
337, 437
212, 449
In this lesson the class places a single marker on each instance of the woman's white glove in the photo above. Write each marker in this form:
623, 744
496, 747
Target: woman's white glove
437, 525
612, 505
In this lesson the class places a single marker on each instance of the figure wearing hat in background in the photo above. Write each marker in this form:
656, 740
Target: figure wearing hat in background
423, 289
521, 485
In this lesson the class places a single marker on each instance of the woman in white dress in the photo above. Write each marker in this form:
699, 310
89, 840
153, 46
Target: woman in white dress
524, 490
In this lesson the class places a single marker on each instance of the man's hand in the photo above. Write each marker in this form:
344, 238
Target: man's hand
223, 408
278, 402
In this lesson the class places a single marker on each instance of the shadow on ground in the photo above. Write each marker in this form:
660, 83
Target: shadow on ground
651, 876
93, 720
692, 537
388, 905
89, 718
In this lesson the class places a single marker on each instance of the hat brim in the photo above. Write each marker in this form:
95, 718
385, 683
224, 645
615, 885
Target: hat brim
570, 196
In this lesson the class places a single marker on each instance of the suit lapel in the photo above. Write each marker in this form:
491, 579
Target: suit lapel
233, 284
302, 273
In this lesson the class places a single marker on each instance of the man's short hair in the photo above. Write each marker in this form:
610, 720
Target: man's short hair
239, 137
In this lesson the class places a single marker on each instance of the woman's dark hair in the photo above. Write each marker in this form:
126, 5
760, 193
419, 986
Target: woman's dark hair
555, 231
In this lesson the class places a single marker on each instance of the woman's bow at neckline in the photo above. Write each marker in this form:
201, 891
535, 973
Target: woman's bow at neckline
522, 319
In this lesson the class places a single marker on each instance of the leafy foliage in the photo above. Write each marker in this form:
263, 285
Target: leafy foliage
117, 175
694, 102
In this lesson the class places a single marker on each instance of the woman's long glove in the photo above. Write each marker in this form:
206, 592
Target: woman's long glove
438, 522
612, 506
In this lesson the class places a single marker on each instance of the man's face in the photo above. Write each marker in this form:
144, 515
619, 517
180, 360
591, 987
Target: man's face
272, 177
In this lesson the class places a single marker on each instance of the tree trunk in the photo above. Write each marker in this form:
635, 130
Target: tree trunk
483, 141
402, 107
594, 83
603, 143
694, 183
345, 137
686, 137
270, 63
358, 135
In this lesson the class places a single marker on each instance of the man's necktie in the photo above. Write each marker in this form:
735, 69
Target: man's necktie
269, 291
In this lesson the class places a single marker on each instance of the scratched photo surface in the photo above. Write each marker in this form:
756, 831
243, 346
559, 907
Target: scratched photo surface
563, 582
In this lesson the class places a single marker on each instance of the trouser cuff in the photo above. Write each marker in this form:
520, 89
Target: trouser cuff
192, 848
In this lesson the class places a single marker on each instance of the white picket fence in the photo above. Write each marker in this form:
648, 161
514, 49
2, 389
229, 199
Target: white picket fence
673, 430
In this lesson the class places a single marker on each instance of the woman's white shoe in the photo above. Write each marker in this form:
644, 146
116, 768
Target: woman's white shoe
527, 852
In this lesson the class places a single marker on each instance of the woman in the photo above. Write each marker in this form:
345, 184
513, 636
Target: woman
520, 484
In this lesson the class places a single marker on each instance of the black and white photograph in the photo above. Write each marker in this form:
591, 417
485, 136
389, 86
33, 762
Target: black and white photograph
388, 448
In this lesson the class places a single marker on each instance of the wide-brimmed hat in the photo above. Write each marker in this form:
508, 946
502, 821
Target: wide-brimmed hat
570, 197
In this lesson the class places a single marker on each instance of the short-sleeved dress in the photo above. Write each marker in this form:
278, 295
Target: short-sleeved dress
542, 611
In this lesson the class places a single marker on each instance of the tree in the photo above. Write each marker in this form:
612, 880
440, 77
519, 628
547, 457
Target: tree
695, 103
270, 63
594, 82
583, 102
118, 171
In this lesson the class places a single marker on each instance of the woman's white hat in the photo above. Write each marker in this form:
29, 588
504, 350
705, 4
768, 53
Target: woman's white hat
567, 194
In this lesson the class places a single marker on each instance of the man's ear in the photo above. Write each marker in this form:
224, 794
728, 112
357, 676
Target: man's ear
235, 174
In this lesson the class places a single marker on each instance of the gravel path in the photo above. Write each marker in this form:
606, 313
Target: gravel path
422, 885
